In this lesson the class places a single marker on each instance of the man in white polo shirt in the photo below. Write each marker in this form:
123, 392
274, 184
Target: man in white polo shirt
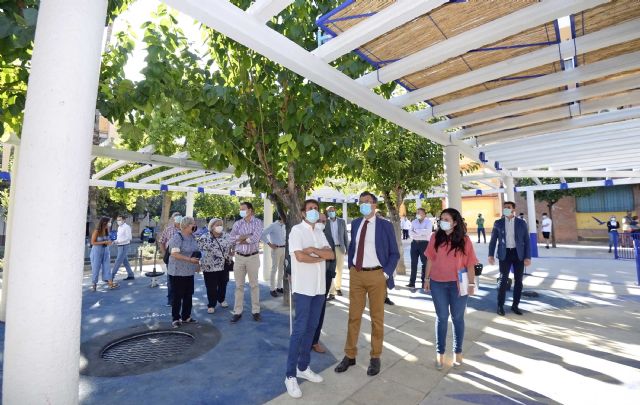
309, 249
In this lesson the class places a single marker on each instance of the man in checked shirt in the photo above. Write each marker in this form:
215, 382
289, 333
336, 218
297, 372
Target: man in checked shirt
245, 235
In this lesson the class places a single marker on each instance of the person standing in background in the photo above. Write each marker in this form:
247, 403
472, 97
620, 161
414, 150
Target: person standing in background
612, 230
480, 225
337, 229
421, 229
405, 225
546, 228
123, 240
274, 235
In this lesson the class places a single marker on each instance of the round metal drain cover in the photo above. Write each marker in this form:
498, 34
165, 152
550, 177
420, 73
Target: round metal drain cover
147, 347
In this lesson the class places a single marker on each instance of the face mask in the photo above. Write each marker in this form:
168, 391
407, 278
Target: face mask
312, 216
320, 226
120, 222
445, 226
332, 214
109, 225
544, 217
506, 212
365, 209
243, 213
218, 229
420, 217
613, 218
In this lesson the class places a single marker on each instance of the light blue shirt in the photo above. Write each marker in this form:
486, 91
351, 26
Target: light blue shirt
275, 233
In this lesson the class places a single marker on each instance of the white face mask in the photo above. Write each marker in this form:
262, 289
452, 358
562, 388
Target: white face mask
445, 226
218, 229
420, 217
320, 226
120, 222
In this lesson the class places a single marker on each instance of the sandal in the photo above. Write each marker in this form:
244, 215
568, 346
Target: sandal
113, 286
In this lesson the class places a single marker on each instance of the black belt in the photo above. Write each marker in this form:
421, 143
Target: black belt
369, 268
249, 255
281, 246
511, 248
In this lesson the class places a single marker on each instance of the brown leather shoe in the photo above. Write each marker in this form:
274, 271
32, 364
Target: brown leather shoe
318, 348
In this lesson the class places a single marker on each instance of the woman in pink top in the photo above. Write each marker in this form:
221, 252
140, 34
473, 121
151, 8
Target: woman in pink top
449, 251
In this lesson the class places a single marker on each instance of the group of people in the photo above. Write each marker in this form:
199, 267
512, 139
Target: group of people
100, 254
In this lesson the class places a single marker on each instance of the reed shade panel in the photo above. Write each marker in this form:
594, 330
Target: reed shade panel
606, 15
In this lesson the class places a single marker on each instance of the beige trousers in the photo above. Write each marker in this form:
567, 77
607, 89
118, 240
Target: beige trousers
243, 267
277, 267
336, 284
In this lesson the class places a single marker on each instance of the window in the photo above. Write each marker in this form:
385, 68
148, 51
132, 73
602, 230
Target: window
606, 199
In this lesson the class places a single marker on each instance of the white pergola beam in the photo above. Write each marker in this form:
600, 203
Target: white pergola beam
569, 124
205, 179
587, 43
582, 184
186, 176
265, 10
511, 24
221, 183
162, 174
136, 157
371, 28
574, 173
617, 154
139, 186
548, 100
149, 149
229, 20
583, 73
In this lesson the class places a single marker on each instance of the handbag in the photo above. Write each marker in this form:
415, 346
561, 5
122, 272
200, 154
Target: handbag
478, 268
228, 263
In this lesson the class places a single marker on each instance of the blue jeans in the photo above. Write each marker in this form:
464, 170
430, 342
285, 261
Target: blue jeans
308, 310
100, 261
484, 235
120, 260
612, 236
445, 297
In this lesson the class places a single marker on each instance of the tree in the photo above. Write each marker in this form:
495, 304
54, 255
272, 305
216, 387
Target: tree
551, 197
398, 162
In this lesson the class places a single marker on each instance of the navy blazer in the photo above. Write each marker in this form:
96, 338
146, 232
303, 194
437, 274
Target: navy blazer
499, 234
331, 264
386, 246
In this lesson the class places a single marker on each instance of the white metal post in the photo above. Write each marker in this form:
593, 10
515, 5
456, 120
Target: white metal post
533, 230
345, 214
452, 164
8, 244
508, 185
266, 256
41, 353
418, 202
191, 198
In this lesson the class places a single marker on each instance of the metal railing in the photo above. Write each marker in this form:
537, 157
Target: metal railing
623, 245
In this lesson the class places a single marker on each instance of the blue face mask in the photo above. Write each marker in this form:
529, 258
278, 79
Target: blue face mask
365, 209
243, 213
312, 216
506, 212
332, 214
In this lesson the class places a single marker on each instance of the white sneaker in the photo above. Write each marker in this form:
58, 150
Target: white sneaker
224, 304
309, 375
211, 310
292, 387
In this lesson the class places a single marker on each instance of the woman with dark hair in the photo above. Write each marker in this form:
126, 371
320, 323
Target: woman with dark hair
100, 256
450, 253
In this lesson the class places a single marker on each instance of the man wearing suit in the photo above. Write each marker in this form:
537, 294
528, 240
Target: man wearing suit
329, 275
514, 249
336, 233
372, 258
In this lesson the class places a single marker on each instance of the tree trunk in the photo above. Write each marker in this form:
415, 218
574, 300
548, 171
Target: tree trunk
394, 215
553, 226
293, 217
166, 207
93, 191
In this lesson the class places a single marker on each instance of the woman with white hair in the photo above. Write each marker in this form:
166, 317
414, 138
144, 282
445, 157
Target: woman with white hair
216, 248
183, 263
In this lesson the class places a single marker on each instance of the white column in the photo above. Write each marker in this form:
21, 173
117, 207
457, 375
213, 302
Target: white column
418, 202
266, 255
531, 220
41, 353
508, 185
452, 166
345, 213
8, 244
191, 199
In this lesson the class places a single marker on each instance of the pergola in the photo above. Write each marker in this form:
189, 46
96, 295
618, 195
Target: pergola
522, 93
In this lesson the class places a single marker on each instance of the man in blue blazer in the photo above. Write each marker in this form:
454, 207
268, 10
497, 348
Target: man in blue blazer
373, 256
514, 249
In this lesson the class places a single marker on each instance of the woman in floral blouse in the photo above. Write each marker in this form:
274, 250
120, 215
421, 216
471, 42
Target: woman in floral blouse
216, 247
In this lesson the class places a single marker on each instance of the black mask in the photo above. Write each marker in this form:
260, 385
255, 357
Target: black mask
194, 228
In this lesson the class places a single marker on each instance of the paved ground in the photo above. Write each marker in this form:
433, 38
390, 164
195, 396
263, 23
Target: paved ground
578, 342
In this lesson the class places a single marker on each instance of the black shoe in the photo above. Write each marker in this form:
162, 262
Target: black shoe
516, 311
280, 290
129, 278
609, 250
344, 365
189, 320
374, 367
235, 318
274, 293
501, 311
545, 246
331, 297
411, 285
257, 317
339, 293
388, 301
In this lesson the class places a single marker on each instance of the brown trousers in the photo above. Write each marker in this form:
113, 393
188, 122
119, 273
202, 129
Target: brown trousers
362, 284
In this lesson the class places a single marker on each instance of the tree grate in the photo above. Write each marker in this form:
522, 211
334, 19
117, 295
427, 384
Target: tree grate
147, 347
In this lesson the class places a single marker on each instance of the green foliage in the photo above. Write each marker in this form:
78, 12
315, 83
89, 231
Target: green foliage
224, 206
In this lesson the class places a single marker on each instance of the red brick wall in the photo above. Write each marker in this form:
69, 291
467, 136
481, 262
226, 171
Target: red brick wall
564, 216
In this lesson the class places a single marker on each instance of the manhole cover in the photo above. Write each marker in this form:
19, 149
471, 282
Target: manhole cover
147, 347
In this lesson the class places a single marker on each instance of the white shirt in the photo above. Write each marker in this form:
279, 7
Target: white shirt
509, 226
370, 258
421, 230
546, 225
405, 224
334, 231
307, 278
124, 234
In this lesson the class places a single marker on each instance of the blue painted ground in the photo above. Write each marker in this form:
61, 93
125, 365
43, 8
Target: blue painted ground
246, 367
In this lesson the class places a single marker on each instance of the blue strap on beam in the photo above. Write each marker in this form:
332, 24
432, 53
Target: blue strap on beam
478, 192
421, 196
334, 200
5, 176
164, 187
483, 157
564, 186
497, 165
201, 190
608, 182
232, 192
119, 184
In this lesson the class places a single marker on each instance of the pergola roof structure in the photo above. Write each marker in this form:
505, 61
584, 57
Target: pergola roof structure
519, 90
